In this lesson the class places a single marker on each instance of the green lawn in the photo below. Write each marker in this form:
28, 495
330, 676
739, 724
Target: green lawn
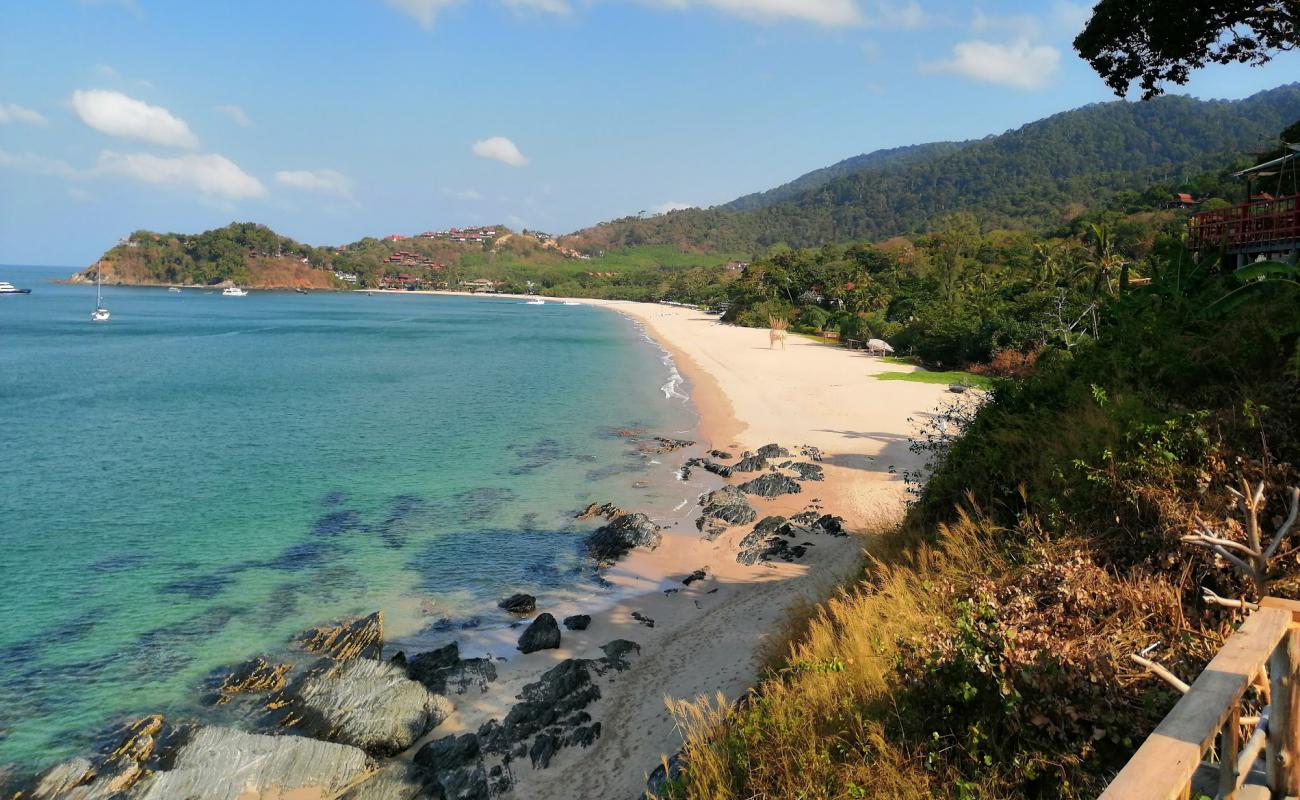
922, 376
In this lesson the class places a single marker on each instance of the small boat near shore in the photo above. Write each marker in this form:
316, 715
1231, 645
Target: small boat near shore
9, 288
175, 289
571, 303
233, 291
100, 314
536, 302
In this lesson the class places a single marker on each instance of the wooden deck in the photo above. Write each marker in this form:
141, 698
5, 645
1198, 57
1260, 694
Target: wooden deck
1263, 764
1256, 226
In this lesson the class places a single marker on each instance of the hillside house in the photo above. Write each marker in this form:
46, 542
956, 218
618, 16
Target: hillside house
479, 286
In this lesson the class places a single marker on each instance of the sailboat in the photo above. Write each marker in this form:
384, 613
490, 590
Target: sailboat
100, 314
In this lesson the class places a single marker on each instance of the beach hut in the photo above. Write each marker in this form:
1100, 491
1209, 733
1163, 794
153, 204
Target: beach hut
878, 347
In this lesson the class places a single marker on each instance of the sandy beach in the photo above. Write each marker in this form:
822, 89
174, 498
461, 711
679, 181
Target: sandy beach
707, 635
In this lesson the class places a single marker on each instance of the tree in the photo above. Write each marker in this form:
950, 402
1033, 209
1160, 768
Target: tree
1154, 42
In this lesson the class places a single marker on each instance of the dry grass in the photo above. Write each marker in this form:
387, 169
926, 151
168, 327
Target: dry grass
824, 724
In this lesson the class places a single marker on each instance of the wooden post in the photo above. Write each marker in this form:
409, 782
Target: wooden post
1283, 749
1229, 744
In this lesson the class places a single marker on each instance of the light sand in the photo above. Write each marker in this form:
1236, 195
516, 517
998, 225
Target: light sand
706, 636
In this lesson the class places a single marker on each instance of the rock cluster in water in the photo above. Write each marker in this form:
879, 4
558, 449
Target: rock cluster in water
616, 539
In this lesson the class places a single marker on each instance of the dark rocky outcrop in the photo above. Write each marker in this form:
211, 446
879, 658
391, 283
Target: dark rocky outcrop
727, 504
607, 510
612, 541
773, 451
772, 537
444, 672
808, 451
750, 463
708, 465
643, 619
368, 704
357, 638
697, 575
830, 524
806, 472
577, 622
551, 712
255, 676
542, 634
226, 764
521, 604
452, 767
771, 485
668, 771
720, 454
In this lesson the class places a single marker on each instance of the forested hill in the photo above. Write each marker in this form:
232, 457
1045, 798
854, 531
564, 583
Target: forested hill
1033, 177
875, 160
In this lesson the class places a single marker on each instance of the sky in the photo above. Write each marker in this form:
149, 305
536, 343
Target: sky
330, 120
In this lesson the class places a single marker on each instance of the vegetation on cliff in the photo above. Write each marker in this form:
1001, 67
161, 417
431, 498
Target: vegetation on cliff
1035, 177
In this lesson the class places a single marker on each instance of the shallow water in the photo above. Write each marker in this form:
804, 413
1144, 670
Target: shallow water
202, 477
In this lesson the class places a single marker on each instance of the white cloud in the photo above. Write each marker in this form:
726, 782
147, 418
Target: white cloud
236, 115
824, 12
501, 149
1018, 64
118, 115
209, 173
36, 165
321, 181
664, 208
885, 14
548, 6
12, 112
424, 11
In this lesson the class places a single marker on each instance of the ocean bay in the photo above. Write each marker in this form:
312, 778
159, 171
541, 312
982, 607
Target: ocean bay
202, 477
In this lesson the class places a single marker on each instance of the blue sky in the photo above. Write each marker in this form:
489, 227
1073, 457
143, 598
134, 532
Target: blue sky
333, 119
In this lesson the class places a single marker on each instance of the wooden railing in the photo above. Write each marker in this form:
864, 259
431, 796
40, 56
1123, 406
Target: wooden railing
1254, 223
1171, 763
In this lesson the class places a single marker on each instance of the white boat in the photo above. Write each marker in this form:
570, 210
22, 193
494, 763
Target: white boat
233, 291
175, 289
536, 302
100, 314
9, 288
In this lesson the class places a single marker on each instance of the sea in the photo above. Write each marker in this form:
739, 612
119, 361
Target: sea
202, 477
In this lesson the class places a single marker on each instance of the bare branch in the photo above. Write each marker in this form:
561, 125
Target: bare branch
1208, 539
1210, 596
1160, 672
1286, 526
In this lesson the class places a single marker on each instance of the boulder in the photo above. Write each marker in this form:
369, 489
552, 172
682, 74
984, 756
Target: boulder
773, 451
706, 464
830, 524
63, 780
368, 704
614, 540
443, 671
727, 504
226, 764
519, 604
808, 451
720, 454
750, 463
256, 676
394, 781
607, 510
771, 485
454, 765
357, 638
697, 575
577, 622
542, 634
809, 472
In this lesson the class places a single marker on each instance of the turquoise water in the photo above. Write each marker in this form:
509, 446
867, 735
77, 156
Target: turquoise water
202, 477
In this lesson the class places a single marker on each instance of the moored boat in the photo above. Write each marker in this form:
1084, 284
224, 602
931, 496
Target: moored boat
233, 291
9, 288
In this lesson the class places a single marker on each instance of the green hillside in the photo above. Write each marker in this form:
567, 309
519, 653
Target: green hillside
875, 160
1033, 177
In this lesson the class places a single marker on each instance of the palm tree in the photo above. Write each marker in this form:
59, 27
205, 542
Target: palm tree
1105, 260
